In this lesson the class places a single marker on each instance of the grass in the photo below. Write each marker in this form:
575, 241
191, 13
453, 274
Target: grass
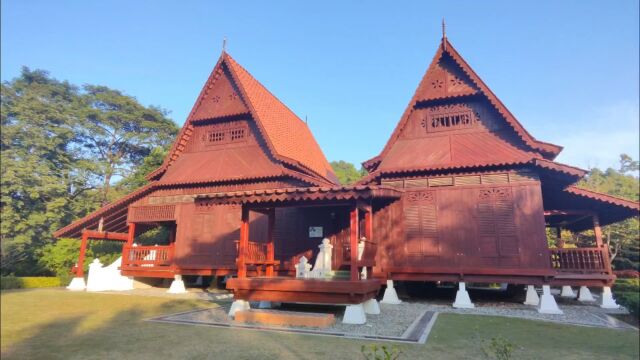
58, 324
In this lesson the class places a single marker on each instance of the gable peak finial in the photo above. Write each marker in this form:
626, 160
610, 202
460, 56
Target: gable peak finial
224, 44
444, 34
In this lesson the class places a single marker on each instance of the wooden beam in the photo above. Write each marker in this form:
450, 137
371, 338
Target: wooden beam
567, 212
83, 249
244, 243
106, 235
354, 242
271, 223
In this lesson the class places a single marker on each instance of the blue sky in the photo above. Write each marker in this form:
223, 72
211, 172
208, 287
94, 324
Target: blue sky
568, 70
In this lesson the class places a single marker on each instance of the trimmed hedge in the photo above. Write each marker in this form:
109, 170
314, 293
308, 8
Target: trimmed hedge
627, 293
14, 282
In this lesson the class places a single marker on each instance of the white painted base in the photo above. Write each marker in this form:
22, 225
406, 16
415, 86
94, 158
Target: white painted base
463, 301
371, 307
567, 292
354, 314
585, 294
390, 295
77, 284
265, 305
238, 305
607, 301
532, 296
177, 285
107, 278
198, 281
548, 303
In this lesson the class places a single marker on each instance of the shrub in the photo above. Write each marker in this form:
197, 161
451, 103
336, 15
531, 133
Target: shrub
630, 300
499, 348
13, 282
626, 285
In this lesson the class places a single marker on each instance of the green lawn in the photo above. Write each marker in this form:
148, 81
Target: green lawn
53, 323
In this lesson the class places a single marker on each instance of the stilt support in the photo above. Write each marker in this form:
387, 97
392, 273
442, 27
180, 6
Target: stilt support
77, 284
548, 303
585, 294
354, 314
177, 285
532, 296
390, 295
265, 305
463, 301
238, 305
371, 307
567, 292
607, 301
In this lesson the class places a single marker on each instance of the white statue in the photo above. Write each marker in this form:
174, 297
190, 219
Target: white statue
322, 266
302, 268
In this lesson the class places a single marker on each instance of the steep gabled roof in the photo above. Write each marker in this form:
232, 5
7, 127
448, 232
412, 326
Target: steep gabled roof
288, 138
473, 86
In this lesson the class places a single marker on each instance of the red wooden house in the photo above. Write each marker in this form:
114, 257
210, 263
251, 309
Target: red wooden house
461, 192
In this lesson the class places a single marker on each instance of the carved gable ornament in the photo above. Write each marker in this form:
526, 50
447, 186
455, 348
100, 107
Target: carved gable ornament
220, 99
445, 80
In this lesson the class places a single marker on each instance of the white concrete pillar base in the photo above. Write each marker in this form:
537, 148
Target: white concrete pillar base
77, 284
265, 305
198, 281
371, 307
585, 294
567, 292
463, 301
548, 303
390, 295
177, 285
532, 296
238, 305
354, 314
607, 301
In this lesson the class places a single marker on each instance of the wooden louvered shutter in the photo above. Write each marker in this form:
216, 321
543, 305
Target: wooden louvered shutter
496, 223
421, 224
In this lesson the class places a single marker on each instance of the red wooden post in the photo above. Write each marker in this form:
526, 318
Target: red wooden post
354, 243
271, 223
243, 244
126, 248
132, 234
368, 233
600, 244
83, 249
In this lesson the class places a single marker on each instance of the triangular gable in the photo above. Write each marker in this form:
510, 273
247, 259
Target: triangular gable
449, 76
287, 138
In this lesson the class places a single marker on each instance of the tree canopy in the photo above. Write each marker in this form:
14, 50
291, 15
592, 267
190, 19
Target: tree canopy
62, 149
346, 172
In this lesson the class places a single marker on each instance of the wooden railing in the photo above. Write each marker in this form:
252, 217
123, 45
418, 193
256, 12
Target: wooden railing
256, 252
579, 260
147, 256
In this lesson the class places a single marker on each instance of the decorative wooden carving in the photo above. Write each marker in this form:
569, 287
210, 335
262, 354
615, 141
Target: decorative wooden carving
450, 117
152, 213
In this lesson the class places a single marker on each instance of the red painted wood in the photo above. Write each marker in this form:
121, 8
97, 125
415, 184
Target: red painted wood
354, 244
83, 249
244, 243
271, 222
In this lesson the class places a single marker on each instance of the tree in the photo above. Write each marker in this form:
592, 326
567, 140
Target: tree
622, 237
117, 133
346, 172
62, 148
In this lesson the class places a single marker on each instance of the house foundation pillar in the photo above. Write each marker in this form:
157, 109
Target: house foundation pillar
238, 305
371, 307
584, 295
463, 301
177, 285
548, 303
532, 296
567, 292
607, 301
354, 314
390, 295
77, 284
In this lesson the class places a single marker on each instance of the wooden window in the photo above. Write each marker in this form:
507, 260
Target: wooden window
216, 136
441, 181
496, 223
450, 117
421, 224
237, 134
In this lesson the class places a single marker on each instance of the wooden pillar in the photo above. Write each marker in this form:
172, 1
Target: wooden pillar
83, 249
271, 254
559, 242
127, 246
243, 244
354, 224
600, 244
368, 233
172, 234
